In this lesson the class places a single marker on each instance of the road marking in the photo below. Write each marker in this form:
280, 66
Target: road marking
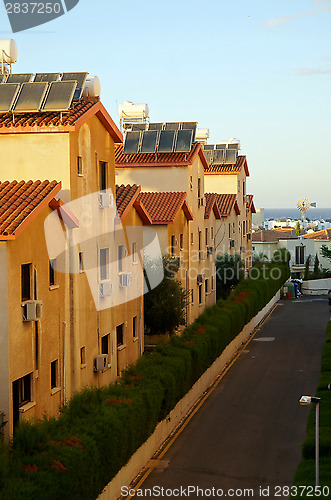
264, 339
154, 461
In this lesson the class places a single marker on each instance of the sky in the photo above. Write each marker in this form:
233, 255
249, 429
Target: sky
254, 70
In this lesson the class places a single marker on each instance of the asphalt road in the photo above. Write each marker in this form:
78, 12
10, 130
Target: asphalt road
249, 432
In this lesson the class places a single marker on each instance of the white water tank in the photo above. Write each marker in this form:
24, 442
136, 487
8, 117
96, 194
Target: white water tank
202, 134
129, 111
92, 86
8, 51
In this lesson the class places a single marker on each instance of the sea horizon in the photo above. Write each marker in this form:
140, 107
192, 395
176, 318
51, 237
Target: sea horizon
294, 213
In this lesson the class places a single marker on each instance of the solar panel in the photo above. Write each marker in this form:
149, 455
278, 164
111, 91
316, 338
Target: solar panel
59, 96
231, 156
138, 126
233, 145
218, 156
19, 78
8, 93
220, 146
208, 147
184, 141
80, 79
190, 126
209, 155
172, 126
155, 126
167, 141
31, 97
47, 77
131, 144
3, 78
149, 141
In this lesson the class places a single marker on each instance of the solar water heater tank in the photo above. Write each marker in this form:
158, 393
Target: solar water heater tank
129, 111
8, 51
92, 86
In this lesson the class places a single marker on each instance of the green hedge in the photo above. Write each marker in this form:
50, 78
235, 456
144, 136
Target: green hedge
75, 455
305, 473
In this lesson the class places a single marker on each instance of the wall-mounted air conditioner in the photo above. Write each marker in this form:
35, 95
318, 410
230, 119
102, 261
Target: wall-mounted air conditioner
105, 288
106, 200
202, 202
201, 278
32, 310
232, 243
249, 236
125, 279
100, 363
210, 251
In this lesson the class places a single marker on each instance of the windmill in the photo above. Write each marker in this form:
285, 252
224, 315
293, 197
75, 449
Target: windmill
304, 205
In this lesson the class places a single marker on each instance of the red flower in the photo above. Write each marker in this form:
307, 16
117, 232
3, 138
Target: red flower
30, 468
57, 465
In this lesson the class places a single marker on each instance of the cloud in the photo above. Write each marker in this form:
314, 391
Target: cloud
312, 71
277, 21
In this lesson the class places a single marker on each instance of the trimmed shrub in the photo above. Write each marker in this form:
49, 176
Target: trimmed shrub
75, 455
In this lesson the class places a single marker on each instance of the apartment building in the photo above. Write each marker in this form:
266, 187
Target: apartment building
98, 326
177, 172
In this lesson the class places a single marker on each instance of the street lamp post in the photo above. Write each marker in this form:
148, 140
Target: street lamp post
308, 400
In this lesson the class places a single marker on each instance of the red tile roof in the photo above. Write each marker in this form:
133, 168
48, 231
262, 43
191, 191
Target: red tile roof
160, 159
49, 121
211, 204
232, 169
226, 203
250, 204
21, 202
64, 213
163, 208
125, 198
323, 234
271, 236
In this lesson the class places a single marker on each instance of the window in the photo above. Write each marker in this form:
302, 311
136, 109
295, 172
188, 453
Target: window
206, 286
79, 165
24, 389
212, 282
26, 281
105, 344
52, 272
173, 246
238, 186
200, 294
134, 327
119, 335
191, 183
300, 255
181, 241
244, 228
192, 296
104, 263
120, 257
199, 188
103, 175
134, 253
54, 373
212, 232
207, 239
83, 355
199, 236
192, 238
229, 230
81, 263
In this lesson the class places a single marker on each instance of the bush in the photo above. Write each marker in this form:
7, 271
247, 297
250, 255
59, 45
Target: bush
75, 455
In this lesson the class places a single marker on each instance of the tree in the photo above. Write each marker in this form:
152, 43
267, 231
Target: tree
317, 271
306, 276
298, 229
326, 252
165, 305
230, 269
259, 258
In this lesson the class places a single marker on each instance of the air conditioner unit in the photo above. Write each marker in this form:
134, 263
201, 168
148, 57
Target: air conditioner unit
32, 310
105, 288
202, 202
232, 243
201, 278
125, 279
249, 236
100, 363
210, 250
105, 200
